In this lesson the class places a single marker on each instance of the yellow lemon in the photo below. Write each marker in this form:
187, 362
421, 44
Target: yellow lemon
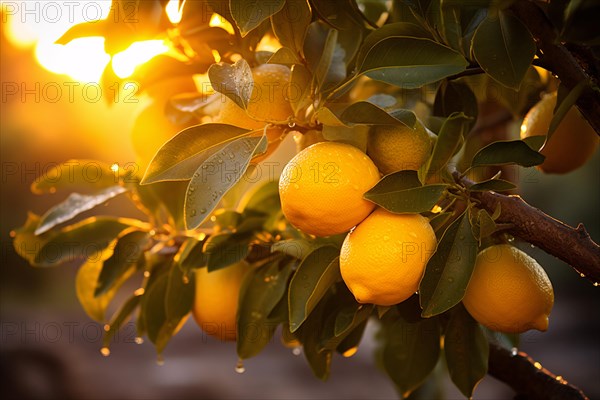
383, 259
572, 143
398, 148
322, 188
509, 291
216, 301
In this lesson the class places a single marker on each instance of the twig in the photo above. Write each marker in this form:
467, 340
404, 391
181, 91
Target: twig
528, 378
572, 245
557, 58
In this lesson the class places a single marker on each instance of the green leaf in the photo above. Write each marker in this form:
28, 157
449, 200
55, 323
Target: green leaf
356, 136
400, 180
234, 81
130, 246
74, 205
410, 352
535, 142
85, 285
217, 174
261, 291
179, 158
449, 269
191, 256
453, 96
75, 175
297, 248
314, 277
309, 335
290, 24
365, 112
564, 104
415, 200
439, 220
504, 48
284, 56
507, 152
153, 307
265, 199
75, 241
451, 135
467, 350
224, 249
120, 318
411, 63
347, 321
249, 14
330, 68
486, 223
497, 185
26, 243
299, 89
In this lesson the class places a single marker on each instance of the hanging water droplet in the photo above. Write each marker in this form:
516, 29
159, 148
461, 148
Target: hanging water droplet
106, 327
297, 351
537, 365
596, 284
239, 367
139, 340
160, 361
185, 279
582, 275
146, 274
105, 351
350, 352
514, 351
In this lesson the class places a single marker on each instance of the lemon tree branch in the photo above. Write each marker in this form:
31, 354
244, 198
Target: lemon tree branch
572, 245
572, 65
528, 378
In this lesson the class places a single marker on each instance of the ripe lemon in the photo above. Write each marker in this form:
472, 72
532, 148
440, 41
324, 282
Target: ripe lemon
572, 143
398, 148
322, 188
509, 291
383, 259
216, 301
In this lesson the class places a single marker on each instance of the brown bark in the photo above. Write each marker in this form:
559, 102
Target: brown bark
571, 67
528, 378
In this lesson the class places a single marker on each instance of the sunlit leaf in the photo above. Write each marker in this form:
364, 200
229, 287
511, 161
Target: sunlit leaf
401, 201
507, 152
467, 351
75, 175
217, 174
284, 56
314, 277
191, 256
298, 90
120, 318
365, 112
449, 269
74, 205
234, 81
264, 200
297, 248
290, 24
179, 158
504, 48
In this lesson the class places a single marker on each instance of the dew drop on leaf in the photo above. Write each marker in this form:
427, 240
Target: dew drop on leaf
193, 213
160, 361
203, 211
514, 351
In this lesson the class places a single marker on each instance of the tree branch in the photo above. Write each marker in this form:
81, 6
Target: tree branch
528, 378
570, 67
572, 245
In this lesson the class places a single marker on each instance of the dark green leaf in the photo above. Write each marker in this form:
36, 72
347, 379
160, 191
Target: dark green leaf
410, 352
364, 112
120, 318
297, 248
265, 199
411, 63
563, 107
180, 157
75, 175
217, 174
448, 142
249, 14
439, 220
74, 205
356, 136
180, 295
191, 256
290, 24
486, 223
130, 246
234, 81
504, 48
224, 249
453, 96
497, 185
350, 318
261, 291
284, 56
507, 152
535, 142
153, 307
449, 269
314, 277
400, 180
299, 88
76, 241
415, 200
349, 345
309, 335
466, 349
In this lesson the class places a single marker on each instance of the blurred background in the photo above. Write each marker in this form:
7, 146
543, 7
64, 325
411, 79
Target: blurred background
51, 111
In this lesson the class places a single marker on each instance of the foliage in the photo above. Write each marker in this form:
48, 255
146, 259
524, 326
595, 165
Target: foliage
354, 64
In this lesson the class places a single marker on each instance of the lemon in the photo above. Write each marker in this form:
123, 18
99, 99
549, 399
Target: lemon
398, 148
322, 188
509, 291
572, 143
216, 300
383, 259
